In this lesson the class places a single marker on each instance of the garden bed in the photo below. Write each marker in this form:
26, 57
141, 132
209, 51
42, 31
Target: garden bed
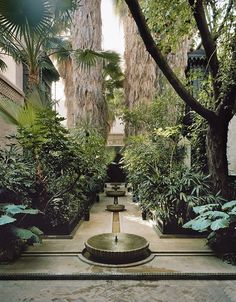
170, 230
166, 230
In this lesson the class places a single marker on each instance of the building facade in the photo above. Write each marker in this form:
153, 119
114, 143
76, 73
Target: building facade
11, 87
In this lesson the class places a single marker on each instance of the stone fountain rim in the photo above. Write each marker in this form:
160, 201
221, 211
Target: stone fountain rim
113, 193
119, 265
88, 246
115, 207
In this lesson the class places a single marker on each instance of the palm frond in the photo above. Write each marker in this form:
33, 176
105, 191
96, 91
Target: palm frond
24, 115
9, 47
9, 111
86, 58
27, 116
3, 65
62, 11
15, 16
38, 100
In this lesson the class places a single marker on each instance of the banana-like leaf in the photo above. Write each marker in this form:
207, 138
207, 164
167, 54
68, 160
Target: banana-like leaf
25, 234
5, 219
221, 223
229, 205
204, 208
14, 209
198, 224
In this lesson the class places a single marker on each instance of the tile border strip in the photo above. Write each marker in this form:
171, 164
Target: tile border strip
117, 276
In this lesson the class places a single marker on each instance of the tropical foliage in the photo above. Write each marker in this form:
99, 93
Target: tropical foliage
219, 221
52, 169
13, 234
214, 23
161, 181
32, 33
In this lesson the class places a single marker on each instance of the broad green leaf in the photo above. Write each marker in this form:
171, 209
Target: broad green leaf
25, 234
229, 204
233, 211
5, 219
208, 207
36, 231
19, 209
215, 214
198, 224
188, 225
219, 224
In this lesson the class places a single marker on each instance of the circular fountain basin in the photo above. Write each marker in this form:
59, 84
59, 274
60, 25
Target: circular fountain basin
115, 207
117, 193
125, 248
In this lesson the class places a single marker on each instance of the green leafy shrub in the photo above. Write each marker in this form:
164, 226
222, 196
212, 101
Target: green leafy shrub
178, 193
51, 169
17, 175
162, 183
219, 221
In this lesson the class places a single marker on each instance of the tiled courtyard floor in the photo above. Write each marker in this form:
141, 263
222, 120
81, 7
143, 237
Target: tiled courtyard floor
170, 256
118, 291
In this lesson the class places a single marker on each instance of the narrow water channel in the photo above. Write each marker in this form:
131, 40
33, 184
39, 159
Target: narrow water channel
116, 223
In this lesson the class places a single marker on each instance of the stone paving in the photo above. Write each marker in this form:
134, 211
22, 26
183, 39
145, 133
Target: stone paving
170, 256
118, 291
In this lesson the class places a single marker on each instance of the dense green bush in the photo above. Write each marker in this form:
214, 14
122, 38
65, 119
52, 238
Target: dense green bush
53, 170
17, 176
177, 194
161, 181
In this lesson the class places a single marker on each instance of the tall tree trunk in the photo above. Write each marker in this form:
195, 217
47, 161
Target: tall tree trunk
216, 146
86, 31
140, 69
33, 79
143, 78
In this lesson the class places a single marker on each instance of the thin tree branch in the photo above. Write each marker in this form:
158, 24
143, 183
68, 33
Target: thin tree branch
208, 42
62, 192
160, 60
228, 10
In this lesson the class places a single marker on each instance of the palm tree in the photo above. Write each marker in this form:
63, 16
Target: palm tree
86, 33
29, 32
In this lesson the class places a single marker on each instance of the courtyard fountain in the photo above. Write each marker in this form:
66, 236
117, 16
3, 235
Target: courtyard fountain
115, 207
119, 248
115, 191
116, 248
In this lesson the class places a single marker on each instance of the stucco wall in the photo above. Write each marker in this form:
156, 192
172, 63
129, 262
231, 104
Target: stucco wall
13, 73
